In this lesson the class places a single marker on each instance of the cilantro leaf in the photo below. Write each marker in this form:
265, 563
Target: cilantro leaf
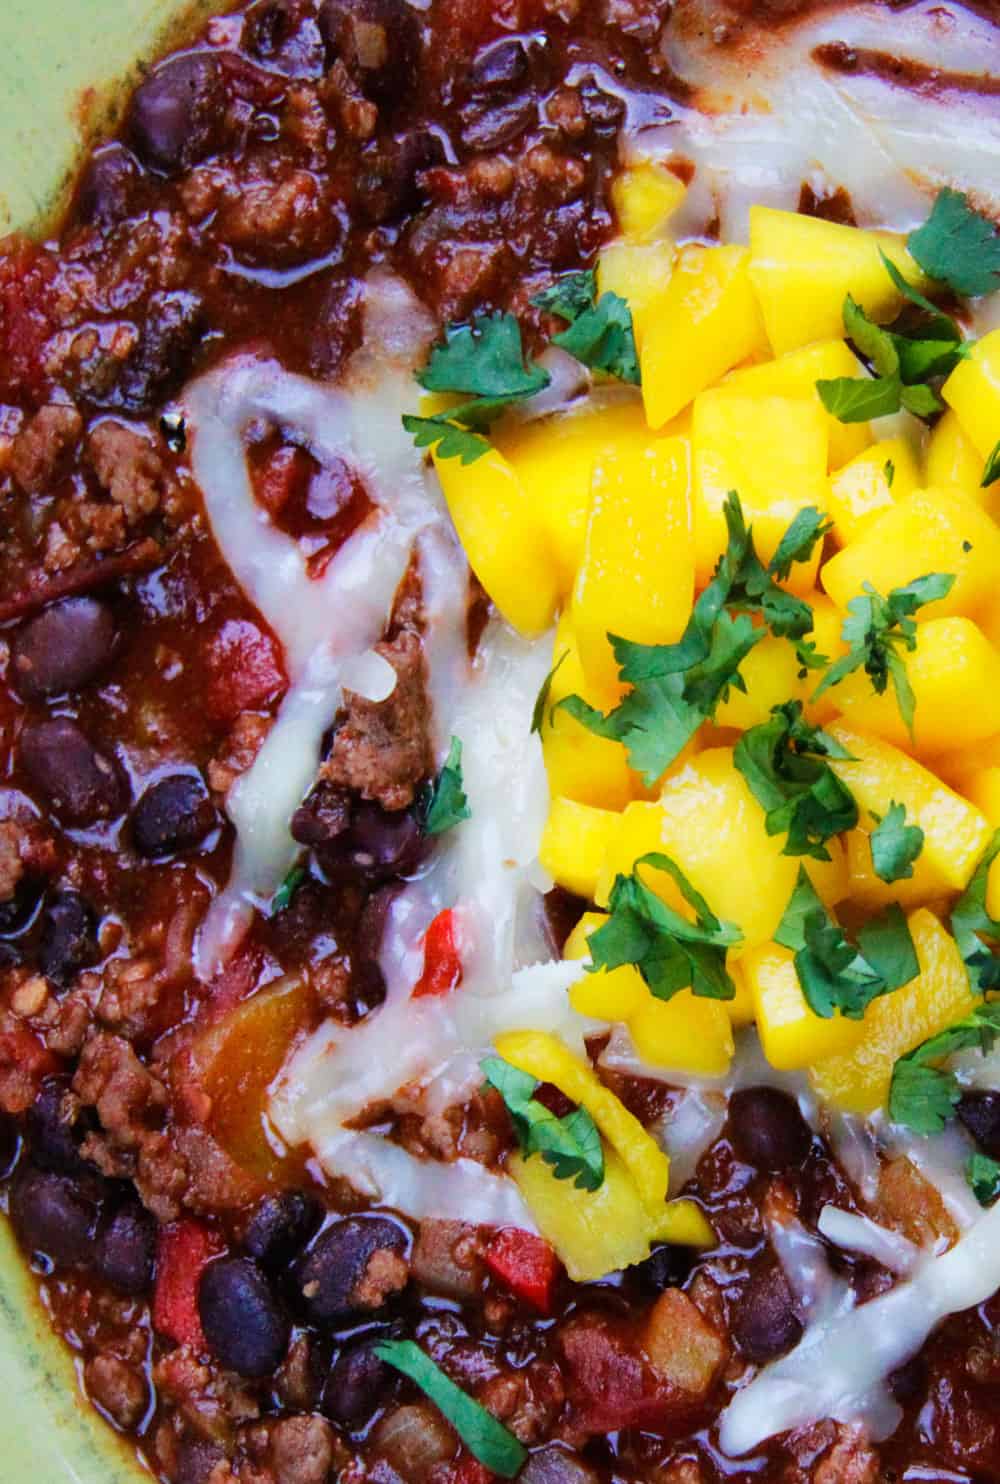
877, 628
569, 296
494, 1445
796, 545
895, 845
992, 471
923, 1096
571, 1144
671, 952
857, 399
600, 333
444, 804
542, 699
983, 1175
282, 898
450, 441
971, 922
484, 358
784, 763
889, 470
958, 246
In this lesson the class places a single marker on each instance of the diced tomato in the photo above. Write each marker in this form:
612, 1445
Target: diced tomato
611, 1383
442, 960
244, 669
21, 1050
183, 1252
26, 322
469, 1470
527, 1264
284, 474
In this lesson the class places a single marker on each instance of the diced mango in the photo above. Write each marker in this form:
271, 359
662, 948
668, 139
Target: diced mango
706, 323
983, 790
645, 195
955, 675
858, 1080
955, 833
828, 623
503, 537
796, 375
574, 843
771, 674
802, 268
640, 275
973, 390
951, 461
606, 995
958, 766
580, 765
773, 452
861, 490
687, 1033
830, 878
545, 1057
637, 574
932, 530
740, 1009
640, 833
873, 894
792, 1034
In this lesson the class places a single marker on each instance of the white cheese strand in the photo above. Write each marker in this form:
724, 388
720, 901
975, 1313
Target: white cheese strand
853, 1233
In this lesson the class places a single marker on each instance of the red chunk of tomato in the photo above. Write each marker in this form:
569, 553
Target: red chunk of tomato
526, 1264
611, 1383
245, 670
183, 1252
442, 960
26, 320
29, 1062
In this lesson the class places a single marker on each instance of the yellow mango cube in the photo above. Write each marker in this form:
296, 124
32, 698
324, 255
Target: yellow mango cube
861, 491
574, 843
802, 268
639, 833
581, 766
773, 452
791, 1034
952, 461
503, 538
983, 789
858, 1080
955, 833
687, 1033
873, 894
771, 673
956, 767
637, 574
706, 323
973, 390
644, 196
639, 274
932, 530
795, 375
828, 623
607, 994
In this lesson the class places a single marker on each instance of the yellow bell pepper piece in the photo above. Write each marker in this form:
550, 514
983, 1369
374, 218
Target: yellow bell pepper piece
640, 275
706, 323
687, 1033
858, 1080
951, 461
973, 390
791, 1034
955, 833
796, 375
773, 452
606, 995
637, 574
545, 1057
602, 1231
861, 491
580, 765
644, 196
802, 267
503, 539
574, 843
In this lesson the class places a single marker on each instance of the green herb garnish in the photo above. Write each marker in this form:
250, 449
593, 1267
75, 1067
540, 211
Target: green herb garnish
445, 803
991, 473
902, 365
971, 923
282, 898
600, 333
895, 845
784, 762
571, 1144
542, 699
958, 246
922, 1095
451, 442
983, 1175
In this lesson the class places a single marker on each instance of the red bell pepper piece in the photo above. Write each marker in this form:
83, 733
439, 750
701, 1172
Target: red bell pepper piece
183, 1252
442, 960
527, 1264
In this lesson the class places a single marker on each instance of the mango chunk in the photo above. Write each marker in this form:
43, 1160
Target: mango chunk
740, 1009
605, 995
973, 390
952, 461
955, 833
792, 1035
574, 843
687, 1033
802, 268
639, 274
828, 623
640, 832
645, 196
503, 537
796, 375
933, 530
580, 765
858, 1080
982, 788
706, 323
637, 574
773, 452
861, 490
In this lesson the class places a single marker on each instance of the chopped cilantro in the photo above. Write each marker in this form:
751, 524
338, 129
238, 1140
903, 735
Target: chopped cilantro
983, 1175
282, 898
671, 952
600, 333
895, 845
784, 762
958, 246
889, 470
991, 473
542, 699
971, 923
857, 399
922, 1095
483, 359
494, 1445
451, 441
877, 628
571, 1144
444, 804
569, 296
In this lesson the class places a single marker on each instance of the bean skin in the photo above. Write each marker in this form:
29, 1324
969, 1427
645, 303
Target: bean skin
245, 1325
768, 1130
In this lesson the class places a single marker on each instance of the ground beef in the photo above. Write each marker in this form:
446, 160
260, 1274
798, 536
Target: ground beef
42, 448
129, 467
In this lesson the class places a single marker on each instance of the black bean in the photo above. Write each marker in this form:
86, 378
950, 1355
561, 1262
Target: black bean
489, 126
326, 1277
358, 1384
54, 1217
323, 816
245, 1325
604, 111
378, 41
280, 34
279, 1228
665, 1267
175, 114
81, 783
54, 1138
980, 1112
173, 815
63, 648
196, 1458
500, 67
126, 1249
336, 330
109, 188
767, 1129
169, 336
389, 186
18, 912
765, 1323
10, 1145
377, 846
68, 940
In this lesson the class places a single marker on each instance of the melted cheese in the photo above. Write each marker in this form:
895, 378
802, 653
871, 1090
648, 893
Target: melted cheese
853, 1233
